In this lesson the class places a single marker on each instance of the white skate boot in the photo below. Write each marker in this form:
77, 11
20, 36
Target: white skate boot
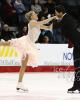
20, 87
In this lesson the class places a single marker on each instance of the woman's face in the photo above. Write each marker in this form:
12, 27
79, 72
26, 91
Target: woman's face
34, 16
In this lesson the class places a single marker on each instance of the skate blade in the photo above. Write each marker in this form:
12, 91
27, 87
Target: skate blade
22, 90
70, 92
73, 92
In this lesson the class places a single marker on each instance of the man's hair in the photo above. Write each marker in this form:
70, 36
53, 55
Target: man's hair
60, 8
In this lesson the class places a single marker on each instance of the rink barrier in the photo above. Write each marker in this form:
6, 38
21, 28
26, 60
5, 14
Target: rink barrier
8, 51
38, 69
53, 58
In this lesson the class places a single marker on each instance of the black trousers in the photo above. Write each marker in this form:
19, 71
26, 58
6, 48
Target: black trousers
76, 57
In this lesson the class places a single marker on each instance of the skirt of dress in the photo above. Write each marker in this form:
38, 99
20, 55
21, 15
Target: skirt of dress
25, 46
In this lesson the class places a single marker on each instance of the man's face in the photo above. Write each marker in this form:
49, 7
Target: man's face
58, 14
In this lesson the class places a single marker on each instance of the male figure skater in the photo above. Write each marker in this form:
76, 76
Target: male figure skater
69, 28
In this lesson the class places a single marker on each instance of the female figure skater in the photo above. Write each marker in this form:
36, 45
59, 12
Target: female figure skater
26, 44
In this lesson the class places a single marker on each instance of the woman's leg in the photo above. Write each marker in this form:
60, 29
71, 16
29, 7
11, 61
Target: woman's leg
21, 73
23, 68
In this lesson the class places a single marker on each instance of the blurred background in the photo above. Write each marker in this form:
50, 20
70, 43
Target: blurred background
13, 23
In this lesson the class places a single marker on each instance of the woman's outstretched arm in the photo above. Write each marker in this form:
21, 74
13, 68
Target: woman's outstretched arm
47, 20
40, 24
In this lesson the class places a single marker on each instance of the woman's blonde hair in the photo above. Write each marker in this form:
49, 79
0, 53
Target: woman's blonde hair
28, 15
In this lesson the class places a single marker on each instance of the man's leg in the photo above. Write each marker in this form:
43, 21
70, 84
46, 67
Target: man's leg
76, 56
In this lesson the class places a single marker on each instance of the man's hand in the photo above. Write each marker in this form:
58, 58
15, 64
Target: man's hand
55, 17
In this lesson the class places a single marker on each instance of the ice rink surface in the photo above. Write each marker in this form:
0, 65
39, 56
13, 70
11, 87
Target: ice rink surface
42, 86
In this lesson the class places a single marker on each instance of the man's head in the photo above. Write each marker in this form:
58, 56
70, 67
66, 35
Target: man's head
59, 11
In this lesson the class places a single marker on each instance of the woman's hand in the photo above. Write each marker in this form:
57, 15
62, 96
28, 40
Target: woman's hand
4, 43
